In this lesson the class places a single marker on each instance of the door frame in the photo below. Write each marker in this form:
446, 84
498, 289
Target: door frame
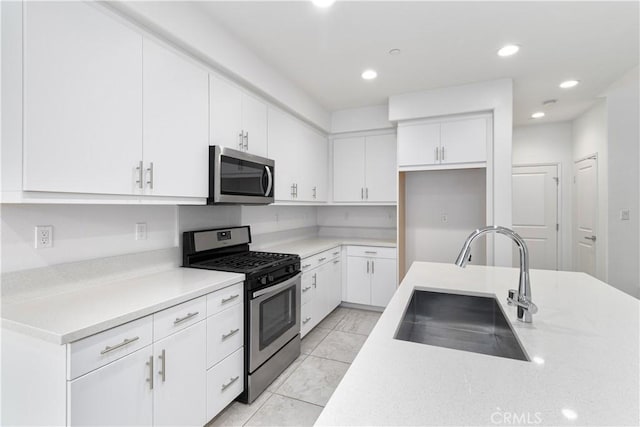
559, 212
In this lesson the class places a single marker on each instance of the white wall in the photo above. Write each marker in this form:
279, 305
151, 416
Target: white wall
590, 137
377, 222
188, 26
551, 143
495, 96
458, 194
81, 232
623, 139
361, 119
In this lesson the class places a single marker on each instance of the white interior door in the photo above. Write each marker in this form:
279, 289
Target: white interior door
535, 214
585, 215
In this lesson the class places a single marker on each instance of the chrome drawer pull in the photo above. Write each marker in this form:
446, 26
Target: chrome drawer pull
231, 381
304, 322
187, 317
322, 259
306, 289
231, 298
336, 253
370, 252
150, 379
231, 333
336, 261
126, 341
306, 266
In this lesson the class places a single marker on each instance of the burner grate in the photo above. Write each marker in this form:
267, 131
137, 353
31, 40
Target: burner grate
246, 261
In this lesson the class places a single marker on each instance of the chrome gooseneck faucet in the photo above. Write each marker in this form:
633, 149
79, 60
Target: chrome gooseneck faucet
522, 297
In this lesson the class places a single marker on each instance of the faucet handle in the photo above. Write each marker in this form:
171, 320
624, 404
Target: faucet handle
513, 297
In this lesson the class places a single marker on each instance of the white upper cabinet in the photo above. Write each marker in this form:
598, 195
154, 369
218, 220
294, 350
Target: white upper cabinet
445, 144
82, 100
300, 155
364, 169
238, 120
176, 124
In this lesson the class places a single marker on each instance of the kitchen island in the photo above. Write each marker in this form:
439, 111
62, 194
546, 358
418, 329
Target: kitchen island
583, 347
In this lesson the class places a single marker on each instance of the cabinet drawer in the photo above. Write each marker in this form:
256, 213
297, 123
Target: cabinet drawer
176, 318
225, 298
225, 382
371, 251
97, 350
323, 257
225, 333
306, 318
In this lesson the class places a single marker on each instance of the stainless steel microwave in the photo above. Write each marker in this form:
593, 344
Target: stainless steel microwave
236, 177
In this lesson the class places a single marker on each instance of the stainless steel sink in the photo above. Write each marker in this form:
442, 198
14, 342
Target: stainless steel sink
461, 322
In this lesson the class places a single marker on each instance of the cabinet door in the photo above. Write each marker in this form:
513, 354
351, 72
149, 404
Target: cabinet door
225, 118
312, 165
176, 124
82, 100
282, 149
117, 394
254, 124
335, 285
381, 168
464, 141
358, 280
383, 281
179, 394
348, 169
319, 166
418, 144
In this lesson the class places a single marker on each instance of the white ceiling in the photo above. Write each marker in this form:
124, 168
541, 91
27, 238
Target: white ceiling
443, 44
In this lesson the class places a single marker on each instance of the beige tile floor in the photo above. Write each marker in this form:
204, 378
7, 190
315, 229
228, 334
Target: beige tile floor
298, 395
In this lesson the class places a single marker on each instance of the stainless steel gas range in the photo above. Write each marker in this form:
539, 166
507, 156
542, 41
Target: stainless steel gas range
272, 299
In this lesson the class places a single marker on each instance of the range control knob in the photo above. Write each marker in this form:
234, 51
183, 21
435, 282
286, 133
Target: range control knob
271, 278
263, 280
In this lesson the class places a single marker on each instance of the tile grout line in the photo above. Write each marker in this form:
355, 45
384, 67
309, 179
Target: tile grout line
300, 400
260, 407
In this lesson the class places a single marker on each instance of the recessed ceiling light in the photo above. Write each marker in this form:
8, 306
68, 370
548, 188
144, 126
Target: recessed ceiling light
369, 74
323, 3
569, 84
394, 52
508, 50
537, 115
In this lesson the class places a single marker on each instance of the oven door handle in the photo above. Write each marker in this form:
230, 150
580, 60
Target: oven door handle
276, 288
267, 169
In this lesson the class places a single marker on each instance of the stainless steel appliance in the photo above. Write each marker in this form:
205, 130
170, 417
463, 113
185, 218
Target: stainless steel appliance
239, 177
272, 299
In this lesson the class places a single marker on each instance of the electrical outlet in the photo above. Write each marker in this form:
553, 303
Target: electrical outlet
141, 231
444, 218
44, 236
625, 214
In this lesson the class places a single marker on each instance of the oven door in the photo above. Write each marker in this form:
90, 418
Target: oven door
274, 316
239, 177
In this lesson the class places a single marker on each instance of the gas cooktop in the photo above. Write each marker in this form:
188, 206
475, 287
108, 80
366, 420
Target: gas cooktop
246, 262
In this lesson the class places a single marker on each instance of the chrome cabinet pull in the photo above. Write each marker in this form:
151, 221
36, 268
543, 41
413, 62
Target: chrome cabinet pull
150, 170
231, 298
126, 341
592, 238
336, 253
367, 266
362, 193
315, 191
230, 334
187, 317
437, 154
336, 261
304, 322
240, 144
371, 252
150, 379
306, 289
295, 191
315, 279
140, 172
366, 193
373, 267
442, 154
163, 369
231, 381
306, 266
246, 141
322, 259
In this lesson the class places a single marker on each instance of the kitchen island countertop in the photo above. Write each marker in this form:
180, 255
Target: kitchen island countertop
583, 345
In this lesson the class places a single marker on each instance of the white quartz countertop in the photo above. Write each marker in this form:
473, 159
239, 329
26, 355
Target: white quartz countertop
309, 247
583, 345
70, 316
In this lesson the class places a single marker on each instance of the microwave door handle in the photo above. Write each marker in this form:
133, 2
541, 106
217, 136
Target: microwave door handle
270, 180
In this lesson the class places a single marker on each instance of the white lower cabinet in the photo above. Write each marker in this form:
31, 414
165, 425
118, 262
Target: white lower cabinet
225, 382
180, 384
116, 394
371, 275
321, 288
